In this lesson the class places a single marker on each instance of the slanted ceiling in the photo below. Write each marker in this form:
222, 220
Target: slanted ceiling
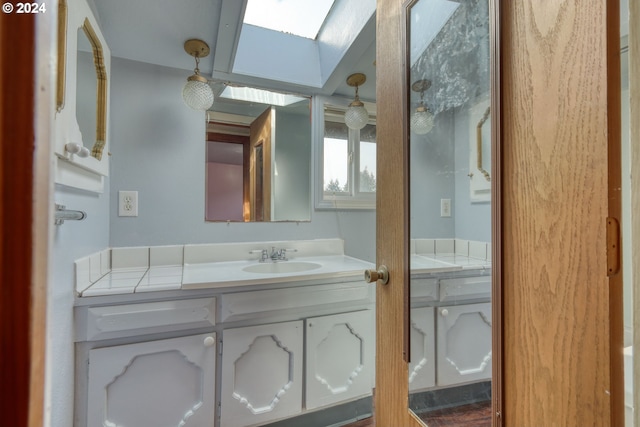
154, 31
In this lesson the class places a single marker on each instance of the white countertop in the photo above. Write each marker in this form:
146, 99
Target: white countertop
447, 262
224, 274
231, 274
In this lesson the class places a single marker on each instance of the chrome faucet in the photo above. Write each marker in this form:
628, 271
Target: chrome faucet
274, 255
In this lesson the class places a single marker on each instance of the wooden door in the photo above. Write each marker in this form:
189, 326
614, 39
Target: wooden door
562, 290
557, 290
392, 225
260, 170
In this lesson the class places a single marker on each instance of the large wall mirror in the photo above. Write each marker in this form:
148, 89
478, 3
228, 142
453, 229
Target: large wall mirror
258, 165
450, 138
81, 121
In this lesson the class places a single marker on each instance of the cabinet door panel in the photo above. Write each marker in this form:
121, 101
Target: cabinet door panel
422, 369
261, 373
340, 358
464, 343
158, 383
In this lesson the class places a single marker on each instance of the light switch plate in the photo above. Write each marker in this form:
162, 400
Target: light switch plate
127, 203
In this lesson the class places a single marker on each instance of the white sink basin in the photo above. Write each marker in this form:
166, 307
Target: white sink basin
281, 267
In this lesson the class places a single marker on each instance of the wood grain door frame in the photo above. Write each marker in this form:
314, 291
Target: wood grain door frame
634, 93
391, 399
26, 119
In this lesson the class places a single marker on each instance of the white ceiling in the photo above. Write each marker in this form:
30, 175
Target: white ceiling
154, 31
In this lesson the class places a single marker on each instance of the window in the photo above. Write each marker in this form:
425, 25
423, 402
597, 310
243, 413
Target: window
301, 18
348, 166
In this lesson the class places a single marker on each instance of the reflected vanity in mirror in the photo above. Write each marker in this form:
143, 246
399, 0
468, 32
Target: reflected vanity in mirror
258, 156
448, 109
81, 121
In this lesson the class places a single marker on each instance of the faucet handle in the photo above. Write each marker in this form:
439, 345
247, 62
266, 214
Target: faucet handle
264, 254
283, 253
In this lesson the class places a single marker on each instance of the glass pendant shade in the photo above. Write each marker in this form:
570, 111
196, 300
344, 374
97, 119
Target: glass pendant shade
356, 117
421, 120
197, 94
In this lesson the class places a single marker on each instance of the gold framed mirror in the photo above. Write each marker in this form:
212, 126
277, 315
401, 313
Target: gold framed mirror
86, 102
62, 54
82, 99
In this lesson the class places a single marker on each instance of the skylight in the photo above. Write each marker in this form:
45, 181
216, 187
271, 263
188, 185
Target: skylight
301, 18
261, 96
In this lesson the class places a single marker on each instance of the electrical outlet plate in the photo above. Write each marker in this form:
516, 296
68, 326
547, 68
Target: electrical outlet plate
127, 203
445, 208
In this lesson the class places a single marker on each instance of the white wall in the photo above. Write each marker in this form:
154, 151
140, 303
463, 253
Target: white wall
439, 170
72, 240
432, 179
158, 147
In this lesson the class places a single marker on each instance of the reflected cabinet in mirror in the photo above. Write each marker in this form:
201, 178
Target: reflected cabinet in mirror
81, 120
258, 165
449, 135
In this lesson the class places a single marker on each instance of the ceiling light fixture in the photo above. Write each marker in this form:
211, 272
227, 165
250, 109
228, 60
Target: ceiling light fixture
197, 93
356, 116
422, 118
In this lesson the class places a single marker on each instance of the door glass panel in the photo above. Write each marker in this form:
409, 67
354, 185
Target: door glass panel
449, 112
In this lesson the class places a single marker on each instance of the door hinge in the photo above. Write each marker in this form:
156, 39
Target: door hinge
613, 246
220, 349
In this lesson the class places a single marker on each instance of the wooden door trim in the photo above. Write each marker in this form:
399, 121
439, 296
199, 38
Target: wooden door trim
634, 105
392, 248
496, 213
614, 149
25, 210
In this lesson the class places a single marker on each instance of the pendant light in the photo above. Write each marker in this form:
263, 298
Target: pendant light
356, 117
422, 118
197, 93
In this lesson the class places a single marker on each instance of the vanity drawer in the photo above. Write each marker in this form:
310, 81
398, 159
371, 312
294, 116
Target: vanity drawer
260, 304
424, 290
115, 321
465, 288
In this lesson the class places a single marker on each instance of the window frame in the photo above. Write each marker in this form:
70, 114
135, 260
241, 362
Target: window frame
354, 199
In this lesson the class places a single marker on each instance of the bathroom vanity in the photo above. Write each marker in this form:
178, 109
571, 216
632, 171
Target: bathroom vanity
197, 333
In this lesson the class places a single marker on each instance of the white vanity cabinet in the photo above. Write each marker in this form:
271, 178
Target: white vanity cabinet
340, 357
450, 331
422, 369
463, 343
261, 373
147, 363
165, 382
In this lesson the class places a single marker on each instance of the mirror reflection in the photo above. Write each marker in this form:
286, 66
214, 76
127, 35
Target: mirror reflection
91, 90
86, 94
450, 203
258, 165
